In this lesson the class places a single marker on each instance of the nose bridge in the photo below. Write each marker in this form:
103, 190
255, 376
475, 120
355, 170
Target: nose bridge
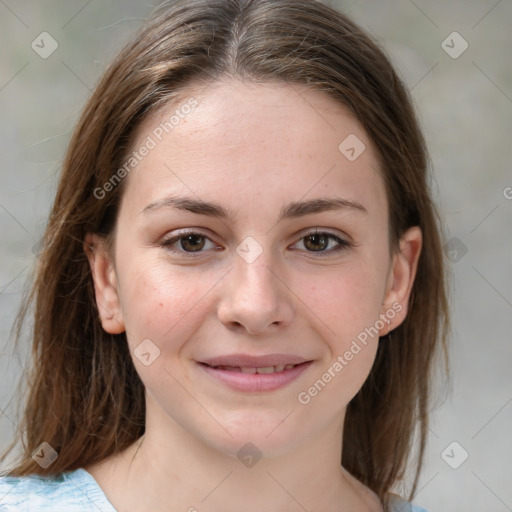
253, 260
254, 282
255, 298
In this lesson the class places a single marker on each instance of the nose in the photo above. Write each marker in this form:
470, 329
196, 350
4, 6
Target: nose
255, 298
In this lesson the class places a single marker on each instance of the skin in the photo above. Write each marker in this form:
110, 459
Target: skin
253, 149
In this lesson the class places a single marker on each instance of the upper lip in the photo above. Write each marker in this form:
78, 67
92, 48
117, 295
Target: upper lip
247, 361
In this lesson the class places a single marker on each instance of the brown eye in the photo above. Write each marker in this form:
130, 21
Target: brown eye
316, 242
188, 243
192, 243
324, 243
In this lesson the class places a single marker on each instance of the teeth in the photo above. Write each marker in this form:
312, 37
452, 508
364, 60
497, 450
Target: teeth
266, 369
230, 368
263, 370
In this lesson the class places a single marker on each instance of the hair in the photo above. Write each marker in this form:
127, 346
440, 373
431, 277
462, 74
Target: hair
84, 396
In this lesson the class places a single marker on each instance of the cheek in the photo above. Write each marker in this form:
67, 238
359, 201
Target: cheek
159, 302
347, 299
348, 306
348, 303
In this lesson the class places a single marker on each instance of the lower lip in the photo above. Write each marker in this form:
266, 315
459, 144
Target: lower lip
256, 382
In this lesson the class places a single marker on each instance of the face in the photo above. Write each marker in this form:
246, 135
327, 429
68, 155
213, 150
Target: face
251, 267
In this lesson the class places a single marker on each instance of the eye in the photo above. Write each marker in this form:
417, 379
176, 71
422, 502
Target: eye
319, 242
188, 242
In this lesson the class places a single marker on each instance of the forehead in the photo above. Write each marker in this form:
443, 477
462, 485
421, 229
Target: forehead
243, 141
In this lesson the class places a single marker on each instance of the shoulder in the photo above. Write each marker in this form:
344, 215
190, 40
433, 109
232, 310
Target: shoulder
397, 504
71, 492
415, 508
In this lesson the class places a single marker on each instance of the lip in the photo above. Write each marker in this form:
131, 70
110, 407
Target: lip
249, 361
255, 382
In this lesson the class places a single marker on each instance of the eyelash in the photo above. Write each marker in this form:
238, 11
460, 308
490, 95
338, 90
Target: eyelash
342, 244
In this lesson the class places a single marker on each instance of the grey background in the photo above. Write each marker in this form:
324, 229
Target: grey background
465, 106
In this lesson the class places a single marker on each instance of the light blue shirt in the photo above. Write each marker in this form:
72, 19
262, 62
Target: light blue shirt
77, 491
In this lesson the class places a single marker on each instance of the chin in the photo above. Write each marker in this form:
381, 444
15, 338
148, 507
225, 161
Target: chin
264, 434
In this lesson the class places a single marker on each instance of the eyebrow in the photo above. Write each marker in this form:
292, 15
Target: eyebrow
291, 211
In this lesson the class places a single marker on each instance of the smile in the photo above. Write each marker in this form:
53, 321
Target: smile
261, 370
255, 379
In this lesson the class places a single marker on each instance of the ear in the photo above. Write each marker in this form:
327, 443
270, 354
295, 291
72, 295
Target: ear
401, 279
105, 284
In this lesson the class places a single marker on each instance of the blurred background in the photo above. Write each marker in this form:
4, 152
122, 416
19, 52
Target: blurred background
455, 58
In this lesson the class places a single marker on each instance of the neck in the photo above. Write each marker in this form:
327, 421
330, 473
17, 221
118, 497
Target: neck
168, 468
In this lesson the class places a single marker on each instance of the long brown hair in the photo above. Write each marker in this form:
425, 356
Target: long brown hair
84, 396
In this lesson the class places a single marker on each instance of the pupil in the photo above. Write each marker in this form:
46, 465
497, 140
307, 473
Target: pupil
192, 240
318, 239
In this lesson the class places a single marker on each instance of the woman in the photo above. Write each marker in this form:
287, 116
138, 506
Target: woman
242, 283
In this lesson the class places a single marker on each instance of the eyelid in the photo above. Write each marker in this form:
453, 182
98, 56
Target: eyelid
344, 241
168, 241
327, 231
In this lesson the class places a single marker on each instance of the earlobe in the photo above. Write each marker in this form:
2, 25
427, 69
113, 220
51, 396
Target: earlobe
401, 278
105, 284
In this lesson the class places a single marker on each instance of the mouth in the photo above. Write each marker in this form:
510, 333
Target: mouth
264, 370
255, 374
